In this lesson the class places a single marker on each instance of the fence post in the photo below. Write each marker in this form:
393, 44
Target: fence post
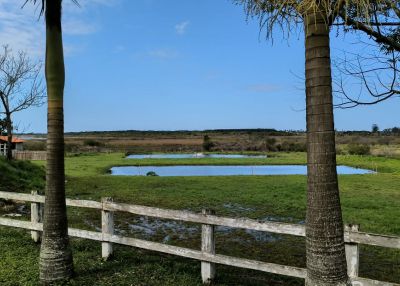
352, 253
207, 245
107, 227
36, 217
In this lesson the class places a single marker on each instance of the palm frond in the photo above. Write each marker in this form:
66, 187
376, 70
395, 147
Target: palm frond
288, 13
43, 4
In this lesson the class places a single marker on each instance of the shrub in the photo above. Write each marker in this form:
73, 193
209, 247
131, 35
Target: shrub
358, 149
292, 147
35, 145
270, 144
70, 147
340, 150
91, 143
207, 143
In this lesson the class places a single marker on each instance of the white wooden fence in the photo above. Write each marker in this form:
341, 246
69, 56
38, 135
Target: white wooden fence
208, 220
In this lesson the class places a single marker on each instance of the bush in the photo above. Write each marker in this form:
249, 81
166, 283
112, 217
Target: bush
340, 150
91, 143
35, 145
71, 147
292, 147
270, 144
358, 149
207, 143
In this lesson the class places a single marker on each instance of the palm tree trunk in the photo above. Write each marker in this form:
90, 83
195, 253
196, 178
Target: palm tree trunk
326, 261
55, 253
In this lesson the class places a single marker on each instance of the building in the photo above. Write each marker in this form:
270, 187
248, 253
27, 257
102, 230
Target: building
17, 144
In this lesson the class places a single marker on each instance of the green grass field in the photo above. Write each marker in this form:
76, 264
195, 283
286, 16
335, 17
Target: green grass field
370, 200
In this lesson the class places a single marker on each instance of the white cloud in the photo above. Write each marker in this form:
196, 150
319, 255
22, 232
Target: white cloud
23, 29
181, 28
20, 28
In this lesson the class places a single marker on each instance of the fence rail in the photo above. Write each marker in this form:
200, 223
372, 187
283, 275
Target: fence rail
208, 220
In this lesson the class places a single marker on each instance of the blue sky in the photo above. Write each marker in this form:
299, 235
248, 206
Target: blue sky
172, 65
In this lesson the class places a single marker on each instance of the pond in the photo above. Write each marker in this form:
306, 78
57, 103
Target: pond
173, 171
191, 156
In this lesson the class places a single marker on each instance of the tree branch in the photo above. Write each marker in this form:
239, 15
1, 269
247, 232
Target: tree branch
380, 38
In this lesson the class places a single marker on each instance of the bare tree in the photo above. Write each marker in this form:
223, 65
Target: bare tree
374, 70
376, 75
20, 87
380, 21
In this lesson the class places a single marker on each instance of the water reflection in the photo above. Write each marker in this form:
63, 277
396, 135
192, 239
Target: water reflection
172, 171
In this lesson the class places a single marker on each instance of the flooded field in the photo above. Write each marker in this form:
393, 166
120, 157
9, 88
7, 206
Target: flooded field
173, 171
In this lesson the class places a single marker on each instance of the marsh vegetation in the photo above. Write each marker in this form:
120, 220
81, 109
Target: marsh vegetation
277, 198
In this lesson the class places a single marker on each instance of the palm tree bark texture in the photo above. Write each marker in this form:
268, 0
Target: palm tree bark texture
55, 253
326, 260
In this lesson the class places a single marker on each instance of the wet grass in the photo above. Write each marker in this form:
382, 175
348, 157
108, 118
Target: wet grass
128, 267
369, 200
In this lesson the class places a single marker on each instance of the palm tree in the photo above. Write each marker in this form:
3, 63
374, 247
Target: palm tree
55, 253
325, 249
326, 259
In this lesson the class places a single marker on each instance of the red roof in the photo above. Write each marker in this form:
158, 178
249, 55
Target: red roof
14, 140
